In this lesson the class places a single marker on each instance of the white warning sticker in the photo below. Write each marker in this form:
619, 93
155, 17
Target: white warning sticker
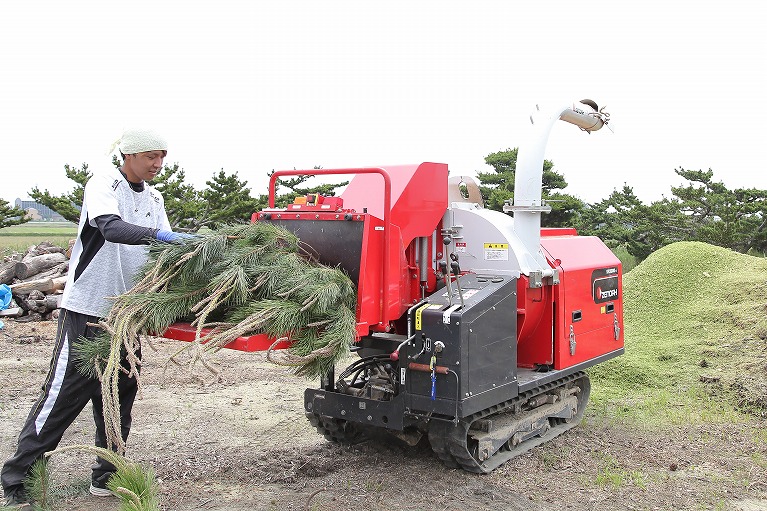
496, 251
460, 246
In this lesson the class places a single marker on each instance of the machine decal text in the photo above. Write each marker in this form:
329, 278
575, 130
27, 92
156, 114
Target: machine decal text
496, 251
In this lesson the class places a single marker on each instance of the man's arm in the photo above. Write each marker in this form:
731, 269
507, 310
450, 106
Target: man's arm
116, 230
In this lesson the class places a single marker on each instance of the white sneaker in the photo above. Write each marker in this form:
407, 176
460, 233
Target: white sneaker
100, 492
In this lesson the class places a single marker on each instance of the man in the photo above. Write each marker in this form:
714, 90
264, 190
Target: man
121, 213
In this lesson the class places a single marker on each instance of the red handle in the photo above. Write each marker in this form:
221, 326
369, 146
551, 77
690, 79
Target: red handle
424, 368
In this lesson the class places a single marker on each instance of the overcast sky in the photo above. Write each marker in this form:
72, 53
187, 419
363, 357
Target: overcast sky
248, 87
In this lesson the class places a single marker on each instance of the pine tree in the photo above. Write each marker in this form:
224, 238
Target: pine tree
11, 215
68, 204
134, 485
227, 199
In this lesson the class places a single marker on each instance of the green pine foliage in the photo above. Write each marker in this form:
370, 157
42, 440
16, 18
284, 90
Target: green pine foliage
226, 197
11, 215
134, 485
236, 281
90, 355
67, 205
37, 485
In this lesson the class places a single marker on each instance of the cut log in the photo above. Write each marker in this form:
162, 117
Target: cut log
55, 271
12, 313
7, 272
53, 302
37, 264
45, 285
46, 247
34, 306
36, 295
44, 304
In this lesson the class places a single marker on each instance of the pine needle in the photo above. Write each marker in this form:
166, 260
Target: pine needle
37, 485
90, 355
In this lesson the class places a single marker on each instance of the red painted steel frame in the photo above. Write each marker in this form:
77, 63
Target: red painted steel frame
419, 198
260, 342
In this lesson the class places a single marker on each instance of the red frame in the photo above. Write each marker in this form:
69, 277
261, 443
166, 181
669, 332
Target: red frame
260, 342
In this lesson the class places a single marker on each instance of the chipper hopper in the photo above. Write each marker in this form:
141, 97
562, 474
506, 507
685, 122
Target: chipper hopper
474, 326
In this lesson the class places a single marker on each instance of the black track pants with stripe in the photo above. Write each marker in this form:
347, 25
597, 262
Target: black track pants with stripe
64, 395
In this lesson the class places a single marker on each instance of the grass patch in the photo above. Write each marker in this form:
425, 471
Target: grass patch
17, 238
695, 330
613, 476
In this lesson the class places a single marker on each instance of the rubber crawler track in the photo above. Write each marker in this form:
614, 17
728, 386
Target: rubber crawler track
450, 442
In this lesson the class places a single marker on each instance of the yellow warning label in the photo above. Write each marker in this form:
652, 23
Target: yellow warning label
496, 251
418, 316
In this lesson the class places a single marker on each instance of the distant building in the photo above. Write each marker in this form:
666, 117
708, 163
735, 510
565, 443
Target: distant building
37, 211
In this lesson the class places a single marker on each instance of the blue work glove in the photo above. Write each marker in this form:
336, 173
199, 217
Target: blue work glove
172, 237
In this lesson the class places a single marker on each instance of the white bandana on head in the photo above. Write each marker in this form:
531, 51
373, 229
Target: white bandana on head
139, 141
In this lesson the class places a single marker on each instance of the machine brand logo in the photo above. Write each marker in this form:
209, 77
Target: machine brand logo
604, 285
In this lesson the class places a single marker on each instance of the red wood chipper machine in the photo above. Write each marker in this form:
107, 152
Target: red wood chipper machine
474, 326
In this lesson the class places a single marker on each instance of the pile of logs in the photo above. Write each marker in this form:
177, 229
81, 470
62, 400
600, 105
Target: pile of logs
37, 280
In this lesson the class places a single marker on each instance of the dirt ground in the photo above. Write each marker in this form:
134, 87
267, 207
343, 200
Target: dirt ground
244, 444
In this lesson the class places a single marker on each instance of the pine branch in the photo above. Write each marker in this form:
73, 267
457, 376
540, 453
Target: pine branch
37, 485
134, 485
239, 280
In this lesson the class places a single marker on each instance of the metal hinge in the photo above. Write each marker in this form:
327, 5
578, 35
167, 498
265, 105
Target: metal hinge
572, 340
536, 279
